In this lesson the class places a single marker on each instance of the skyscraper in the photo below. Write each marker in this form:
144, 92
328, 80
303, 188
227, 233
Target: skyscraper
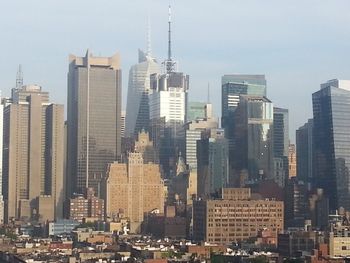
253, 139
1, 174
122, 124
94, 107
195, 110
33, 156
234, 85
168, 106
292, 161
212, 162
193, 132
137, 109
280, 145
304, 151
280, 132
331, 144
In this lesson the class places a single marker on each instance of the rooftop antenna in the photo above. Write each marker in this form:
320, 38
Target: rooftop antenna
169, 34
19, 77
169, 63
208, 95
149, 46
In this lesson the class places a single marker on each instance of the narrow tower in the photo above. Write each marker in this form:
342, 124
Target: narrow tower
169, 63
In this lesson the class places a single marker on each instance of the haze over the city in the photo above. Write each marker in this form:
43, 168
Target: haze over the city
296, 44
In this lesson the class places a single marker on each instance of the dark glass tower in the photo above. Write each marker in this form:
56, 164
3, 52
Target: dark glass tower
253, 137
304, 152
94, 108
232, 86
280, 145
331, 141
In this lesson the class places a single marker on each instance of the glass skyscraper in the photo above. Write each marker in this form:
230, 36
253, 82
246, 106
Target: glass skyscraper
280, 144
253, 137
232, 86
137, 109
331, 143
304, 151
195, 110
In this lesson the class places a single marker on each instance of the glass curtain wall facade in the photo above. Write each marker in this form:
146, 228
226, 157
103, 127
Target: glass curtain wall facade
253, 155
137, 109
280, 144
195, 110
232, 86
331, 144
304, 152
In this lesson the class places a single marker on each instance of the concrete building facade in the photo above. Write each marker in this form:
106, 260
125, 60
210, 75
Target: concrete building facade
133, 189
94, 108
33, 156
235, 217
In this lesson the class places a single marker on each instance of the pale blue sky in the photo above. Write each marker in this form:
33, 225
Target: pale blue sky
297, 44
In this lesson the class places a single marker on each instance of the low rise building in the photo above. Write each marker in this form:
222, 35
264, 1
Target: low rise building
87, 207
236, 217
339, 241
294, 244
61, 227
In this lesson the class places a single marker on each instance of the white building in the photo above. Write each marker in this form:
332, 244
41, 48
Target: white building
168, 97
137, 109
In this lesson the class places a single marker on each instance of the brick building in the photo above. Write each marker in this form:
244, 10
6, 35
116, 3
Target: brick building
235, 217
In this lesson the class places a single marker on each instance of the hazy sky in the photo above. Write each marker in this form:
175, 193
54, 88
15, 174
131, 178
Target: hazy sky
296, 44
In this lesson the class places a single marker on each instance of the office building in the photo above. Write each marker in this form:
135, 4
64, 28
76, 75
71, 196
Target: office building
168, 97
293, 244
133, 189
168, 107
193, 131
280, 132
339, 241
195, 110
94, 123
2, 207
319, 209
292, 161
122, 124
253, 138
62, 226
137, 109
212, 160
331, 144
182, 188
145, 146
232, 86
33, 156
304, 151
86, 207
280, 145
296, 203
235, 218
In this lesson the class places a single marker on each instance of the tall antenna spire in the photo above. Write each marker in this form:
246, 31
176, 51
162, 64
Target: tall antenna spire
149, 47
169, 34
169, 63
19, 77
208, 95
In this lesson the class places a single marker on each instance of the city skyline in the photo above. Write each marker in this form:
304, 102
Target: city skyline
294, 54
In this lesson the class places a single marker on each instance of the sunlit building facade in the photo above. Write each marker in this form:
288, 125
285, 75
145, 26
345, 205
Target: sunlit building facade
137, 109
331, 144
